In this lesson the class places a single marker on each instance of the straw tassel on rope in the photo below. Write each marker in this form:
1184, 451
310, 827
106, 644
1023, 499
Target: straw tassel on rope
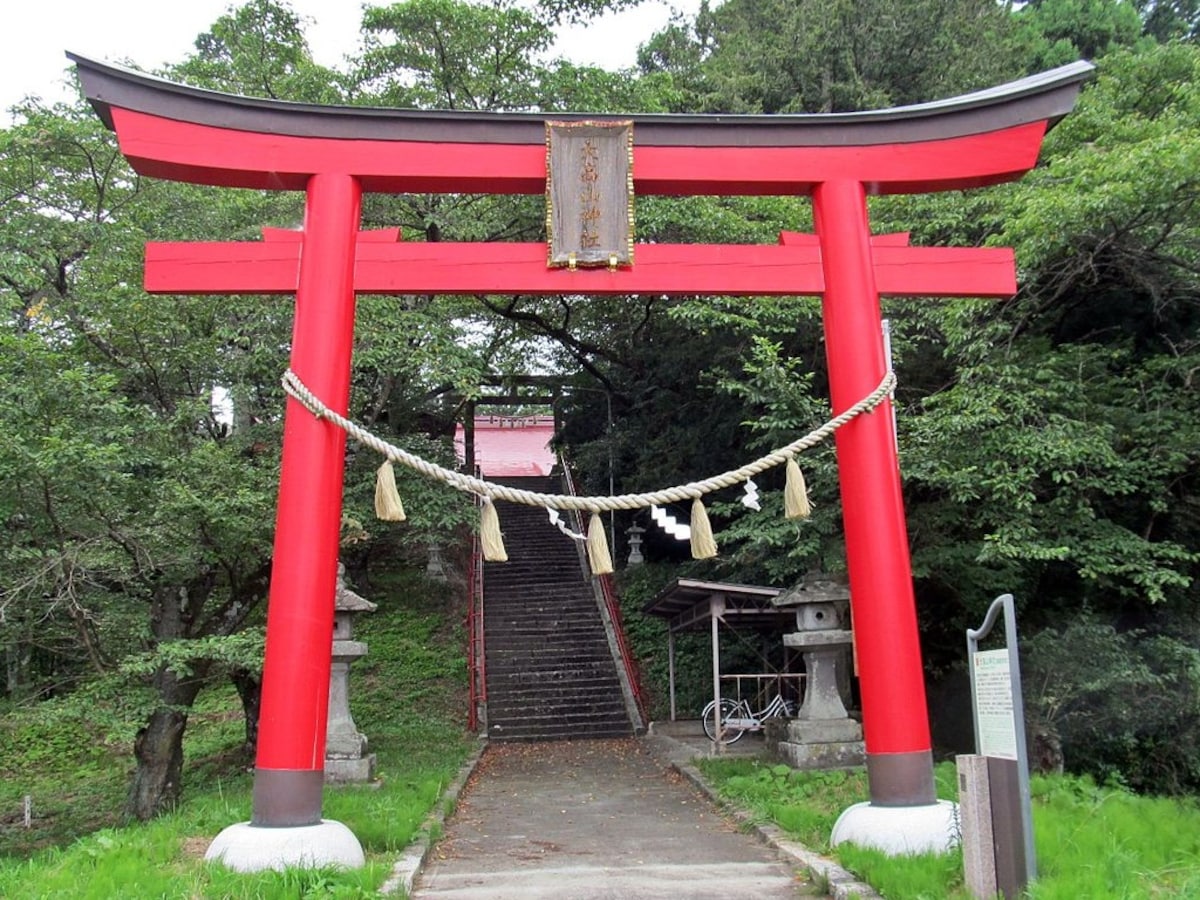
795, 493
490, 537
387, 499
703, 545
599, 558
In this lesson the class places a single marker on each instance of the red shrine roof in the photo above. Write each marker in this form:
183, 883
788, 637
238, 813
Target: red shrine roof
511, 446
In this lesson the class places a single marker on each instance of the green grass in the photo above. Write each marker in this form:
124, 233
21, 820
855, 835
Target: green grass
1093, 842
74, 757
1106, 842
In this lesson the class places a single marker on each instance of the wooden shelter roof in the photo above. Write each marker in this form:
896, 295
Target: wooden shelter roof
686, 604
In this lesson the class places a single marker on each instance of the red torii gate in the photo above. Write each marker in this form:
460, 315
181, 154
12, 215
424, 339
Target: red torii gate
334, 154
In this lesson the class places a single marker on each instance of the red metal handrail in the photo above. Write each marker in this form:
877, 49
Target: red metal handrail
631, 665
476, 655
611, 603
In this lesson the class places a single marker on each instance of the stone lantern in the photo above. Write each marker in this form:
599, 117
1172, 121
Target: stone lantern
634, 533
822, 736
435, 568
346, 757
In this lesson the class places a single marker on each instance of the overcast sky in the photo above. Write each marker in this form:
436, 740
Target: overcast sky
34, 34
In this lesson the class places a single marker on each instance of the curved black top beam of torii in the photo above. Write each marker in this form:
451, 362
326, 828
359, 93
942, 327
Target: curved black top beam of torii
1046, 96
183, 133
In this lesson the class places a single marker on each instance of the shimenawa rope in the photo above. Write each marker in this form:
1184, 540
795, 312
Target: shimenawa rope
490, 491
389, 507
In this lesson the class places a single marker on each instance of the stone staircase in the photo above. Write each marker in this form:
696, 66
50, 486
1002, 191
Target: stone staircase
550, 672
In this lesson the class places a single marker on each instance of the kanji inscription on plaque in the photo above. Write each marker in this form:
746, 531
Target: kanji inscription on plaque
589, 193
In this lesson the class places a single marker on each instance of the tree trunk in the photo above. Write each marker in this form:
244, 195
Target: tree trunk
17, 656
1046, 756
158, 780
249, 688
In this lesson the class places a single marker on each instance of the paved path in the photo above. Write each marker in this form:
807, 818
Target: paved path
586, 820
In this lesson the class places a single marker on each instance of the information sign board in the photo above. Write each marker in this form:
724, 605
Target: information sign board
997, 725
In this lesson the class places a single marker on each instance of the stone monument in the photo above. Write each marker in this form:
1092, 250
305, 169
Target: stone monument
822, 736
346, 757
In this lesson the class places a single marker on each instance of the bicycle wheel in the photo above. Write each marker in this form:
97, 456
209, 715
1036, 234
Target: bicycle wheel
728, 709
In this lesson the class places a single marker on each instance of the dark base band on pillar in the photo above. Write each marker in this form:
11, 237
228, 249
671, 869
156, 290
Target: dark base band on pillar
287, 798
901, 779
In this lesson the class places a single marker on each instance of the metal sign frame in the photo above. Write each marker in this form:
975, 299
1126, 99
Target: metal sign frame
1005, 603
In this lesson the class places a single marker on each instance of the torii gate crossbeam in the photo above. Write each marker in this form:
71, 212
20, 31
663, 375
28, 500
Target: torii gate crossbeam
335, 154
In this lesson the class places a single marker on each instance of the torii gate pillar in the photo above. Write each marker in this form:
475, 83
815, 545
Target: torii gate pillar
895, 721
336, 153
286, 826
877, 554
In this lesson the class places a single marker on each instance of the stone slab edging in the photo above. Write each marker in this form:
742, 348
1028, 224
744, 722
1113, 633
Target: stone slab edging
841, 884
412, 860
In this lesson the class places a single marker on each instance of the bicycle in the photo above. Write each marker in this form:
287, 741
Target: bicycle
737, 717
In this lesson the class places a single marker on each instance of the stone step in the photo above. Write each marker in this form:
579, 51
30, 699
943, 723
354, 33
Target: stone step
598, 684
520, 615
556, 717
545, 659
515, 601
564, 732
565, 656
525, 619
533, 631
586, 700
554, 706
538, 628
592, 685
540, 585
501, 673
542, 622
532, 620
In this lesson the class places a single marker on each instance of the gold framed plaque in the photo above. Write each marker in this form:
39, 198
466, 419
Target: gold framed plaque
589, 194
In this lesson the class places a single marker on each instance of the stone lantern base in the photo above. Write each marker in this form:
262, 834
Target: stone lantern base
350, 771
820, 743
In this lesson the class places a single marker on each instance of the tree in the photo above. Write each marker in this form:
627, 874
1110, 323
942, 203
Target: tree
1056, 32
259, 49
832, 55
1174, 19
447, 54
130, 493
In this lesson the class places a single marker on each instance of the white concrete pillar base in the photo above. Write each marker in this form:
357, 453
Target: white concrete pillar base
248, 848
900, 830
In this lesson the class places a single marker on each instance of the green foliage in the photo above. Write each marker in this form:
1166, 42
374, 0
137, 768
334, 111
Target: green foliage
1055, 462
161, 860
748, 56
259, 49
446, 54
141, 519
451, 54
243, 650
918, 876
1126, 706
1056, 32
647, 637
407, 695
784, 402
1166, 20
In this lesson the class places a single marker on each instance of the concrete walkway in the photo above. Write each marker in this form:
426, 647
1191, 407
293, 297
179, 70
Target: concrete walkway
585, 820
